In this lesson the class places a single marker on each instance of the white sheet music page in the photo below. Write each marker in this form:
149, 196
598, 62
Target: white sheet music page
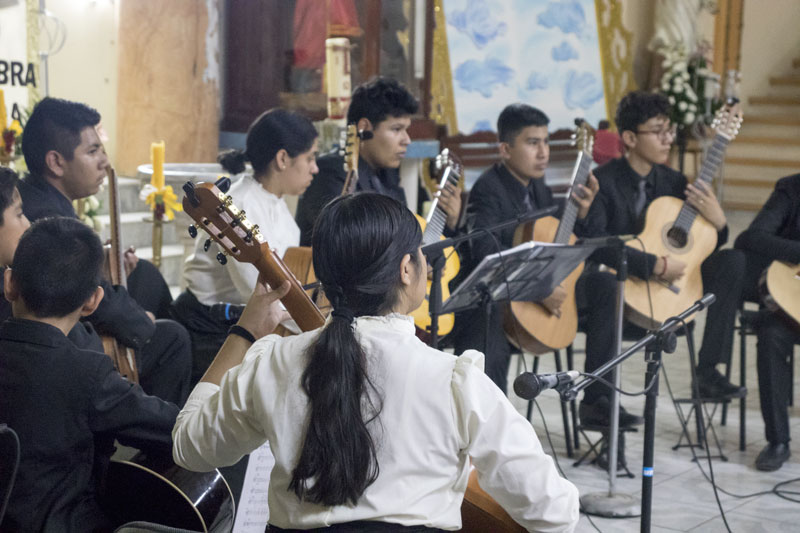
253, 513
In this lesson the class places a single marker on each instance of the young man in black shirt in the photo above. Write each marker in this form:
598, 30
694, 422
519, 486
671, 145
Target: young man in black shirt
66, 160
774, 235
66, 404
505, 190
381, 109
627, 186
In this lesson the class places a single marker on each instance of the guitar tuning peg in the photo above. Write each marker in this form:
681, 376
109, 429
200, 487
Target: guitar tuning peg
207, 245
192, 231
221, 258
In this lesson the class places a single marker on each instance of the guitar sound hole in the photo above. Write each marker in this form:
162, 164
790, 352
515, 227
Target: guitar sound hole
677, 237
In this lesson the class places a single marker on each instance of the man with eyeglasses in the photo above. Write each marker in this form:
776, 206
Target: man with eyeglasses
627, 186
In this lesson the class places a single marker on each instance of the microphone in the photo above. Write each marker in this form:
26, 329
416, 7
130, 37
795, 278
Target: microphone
529, 385
225, 312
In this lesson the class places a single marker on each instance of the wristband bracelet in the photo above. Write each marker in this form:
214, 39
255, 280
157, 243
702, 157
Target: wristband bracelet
236, 329
664, 271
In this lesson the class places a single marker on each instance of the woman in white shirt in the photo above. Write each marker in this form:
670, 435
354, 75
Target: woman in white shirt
371, 429
281, 147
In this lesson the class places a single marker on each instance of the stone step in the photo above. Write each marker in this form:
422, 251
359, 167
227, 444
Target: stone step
759, 127
763, 162
792, 80
745, 198
138, 232
784, 151
796, 62
774, 100
759, 139
128, 196
785, 89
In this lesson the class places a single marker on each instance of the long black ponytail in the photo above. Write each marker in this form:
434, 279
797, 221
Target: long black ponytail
359, 242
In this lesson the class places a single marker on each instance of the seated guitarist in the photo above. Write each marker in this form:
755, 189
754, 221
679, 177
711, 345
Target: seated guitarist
774, 235
382, 109
371, 429
67, 162
507, 189
627, 186
281, 146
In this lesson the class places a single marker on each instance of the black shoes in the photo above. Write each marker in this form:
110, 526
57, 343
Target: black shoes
598, 414
713, 385
772, 457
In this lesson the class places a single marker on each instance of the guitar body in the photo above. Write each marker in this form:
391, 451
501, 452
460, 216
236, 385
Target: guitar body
157, 490
701, 241
781, 289
537, 329
451, 267
481, 514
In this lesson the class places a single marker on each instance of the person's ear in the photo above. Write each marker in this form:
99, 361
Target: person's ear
363, 124
92, 302
282, 159
407, 270
629, 139
55, 163
505, 151
9, 287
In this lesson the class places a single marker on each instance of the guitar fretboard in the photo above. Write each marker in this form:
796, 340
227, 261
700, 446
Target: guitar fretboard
714, 157
580, 175
438, 218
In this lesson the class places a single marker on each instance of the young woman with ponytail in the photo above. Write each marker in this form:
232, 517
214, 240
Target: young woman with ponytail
371, 429
281, 148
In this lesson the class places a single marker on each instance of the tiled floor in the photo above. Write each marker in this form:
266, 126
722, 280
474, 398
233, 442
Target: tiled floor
683, 500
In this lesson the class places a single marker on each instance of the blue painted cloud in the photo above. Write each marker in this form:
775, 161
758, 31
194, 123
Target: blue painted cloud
582, 89
482, 125
564, 52
537, 81
566, 15
482, 76
477, 21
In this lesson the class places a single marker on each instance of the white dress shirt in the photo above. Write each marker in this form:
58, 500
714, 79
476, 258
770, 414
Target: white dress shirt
438, 412
211, 282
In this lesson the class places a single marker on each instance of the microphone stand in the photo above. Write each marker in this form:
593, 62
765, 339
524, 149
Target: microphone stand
655, 342
434, 253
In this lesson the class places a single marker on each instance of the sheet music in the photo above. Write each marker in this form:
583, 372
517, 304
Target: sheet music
253, 512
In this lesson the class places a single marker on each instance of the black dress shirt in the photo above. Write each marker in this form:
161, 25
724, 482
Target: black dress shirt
68, 405
613, 210
328, 183
118, 314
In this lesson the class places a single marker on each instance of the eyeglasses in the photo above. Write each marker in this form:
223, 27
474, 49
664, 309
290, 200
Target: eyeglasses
663, 134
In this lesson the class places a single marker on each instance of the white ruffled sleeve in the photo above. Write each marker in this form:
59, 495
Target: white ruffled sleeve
511, 465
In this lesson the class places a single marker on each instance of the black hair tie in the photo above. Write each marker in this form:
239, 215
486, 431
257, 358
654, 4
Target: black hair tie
345, 313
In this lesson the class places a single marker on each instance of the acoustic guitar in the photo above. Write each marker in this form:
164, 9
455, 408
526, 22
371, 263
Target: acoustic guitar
449, 171
122, 356
215, 212
480, 513
531, 326
673, 228
154, 489
779, 288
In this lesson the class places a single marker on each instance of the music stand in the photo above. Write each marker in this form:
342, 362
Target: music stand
528, 272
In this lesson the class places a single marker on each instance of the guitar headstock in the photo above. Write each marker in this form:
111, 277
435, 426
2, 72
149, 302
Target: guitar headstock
349, 150
215, 212
447, 160
728, 120
584, 136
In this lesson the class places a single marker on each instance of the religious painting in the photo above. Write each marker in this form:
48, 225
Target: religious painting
541, 52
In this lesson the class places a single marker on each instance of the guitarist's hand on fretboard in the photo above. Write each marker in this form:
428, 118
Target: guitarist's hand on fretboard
700, 196
450, 202
584, 195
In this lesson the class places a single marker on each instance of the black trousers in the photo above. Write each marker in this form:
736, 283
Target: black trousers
776, 340
207, 333
723, 274
165, 363
147, 286
470, 333
362, 526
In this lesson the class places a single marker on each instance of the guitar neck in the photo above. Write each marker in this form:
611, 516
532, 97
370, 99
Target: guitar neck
115, 259
350, 182
713, 159
580, 175
438, 218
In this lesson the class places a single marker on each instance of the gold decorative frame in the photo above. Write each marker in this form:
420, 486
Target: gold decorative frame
443, 106
32, 33
615, 53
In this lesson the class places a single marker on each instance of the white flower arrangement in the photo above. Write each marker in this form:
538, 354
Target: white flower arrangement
681, 81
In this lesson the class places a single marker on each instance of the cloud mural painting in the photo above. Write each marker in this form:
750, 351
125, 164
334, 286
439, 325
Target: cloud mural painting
482, 76
478, 22
582, 89
568, 16
564, 52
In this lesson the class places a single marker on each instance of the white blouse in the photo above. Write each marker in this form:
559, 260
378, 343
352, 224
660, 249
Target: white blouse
233, 283
438, 412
